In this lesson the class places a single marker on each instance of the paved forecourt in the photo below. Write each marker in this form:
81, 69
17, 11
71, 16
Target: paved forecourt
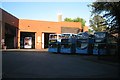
41, 64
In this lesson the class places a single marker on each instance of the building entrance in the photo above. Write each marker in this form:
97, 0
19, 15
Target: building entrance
10, 35
27, 40
9, 41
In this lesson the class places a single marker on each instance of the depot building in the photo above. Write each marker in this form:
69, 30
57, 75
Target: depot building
34, 34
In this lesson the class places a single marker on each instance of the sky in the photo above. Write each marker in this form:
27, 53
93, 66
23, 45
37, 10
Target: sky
47, 11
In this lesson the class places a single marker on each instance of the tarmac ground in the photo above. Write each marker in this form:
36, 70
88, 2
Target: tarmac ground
20, 63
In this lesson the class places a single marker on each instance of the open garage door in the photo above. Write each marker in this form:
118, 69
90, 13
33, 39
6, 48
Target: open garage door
27, 40
45, 39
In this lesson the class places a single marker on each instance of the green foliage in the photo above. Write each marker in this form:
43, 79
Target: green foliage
68, 20
96, 23
76, 20
109, 10
90, 31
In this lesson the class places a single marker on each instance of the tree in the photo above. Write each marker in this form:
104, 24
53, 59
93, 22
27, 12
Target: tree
68, 20
110, 11
90, 31
96, 23
80, 20
76, 20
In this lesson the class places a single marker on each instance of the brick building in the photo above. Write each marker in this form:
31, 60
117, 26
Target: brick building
9, 29
15, 30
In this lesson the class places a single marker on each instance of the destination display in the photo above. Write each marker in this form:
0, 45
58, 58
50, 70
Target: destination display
52, 41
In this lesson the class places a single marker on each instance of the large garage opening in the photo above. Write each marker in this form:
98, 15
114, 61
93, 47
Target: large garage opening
45, 40
27, 40
9, 41
10, 36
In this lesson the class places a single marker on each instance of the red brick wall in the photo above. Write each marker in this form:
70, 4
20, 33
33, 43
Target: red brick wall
11, 20
43, 26
85, 28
